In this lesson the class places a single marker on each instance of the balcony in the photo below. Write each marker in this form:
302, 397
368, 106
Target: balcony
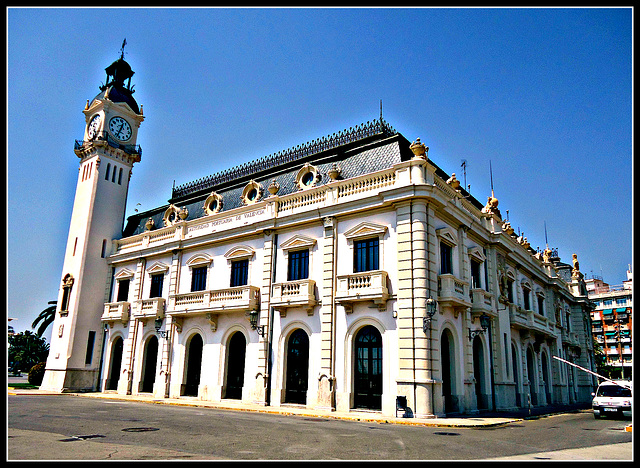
453, 292
365, 286
481, 302
519, 317
149, 308
116, 312
300, 293
238, 299
103, 138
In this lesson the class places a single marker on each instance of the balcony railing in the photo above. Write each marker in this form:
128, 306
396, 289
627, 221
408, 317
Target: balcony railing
453, 292
365, 286
238, 299
104, 137
149, 308
116, 312
300, 293
481, 301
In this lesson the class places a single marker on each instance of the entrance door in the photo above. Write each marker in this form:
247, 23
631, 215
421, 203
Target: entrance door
368, 369
194, 365
235, 366
533, 384
448, 372
479, 373
297, 367
116, 362
149, 367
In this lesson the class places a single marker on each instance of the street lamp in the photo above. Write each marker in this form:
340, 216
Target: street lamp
429, 313
253, 319
158, 325
484, 323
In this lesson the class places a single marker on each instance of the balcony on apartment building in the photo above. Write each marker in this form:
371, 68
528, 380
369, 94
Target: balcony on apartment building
364, 286
294, 294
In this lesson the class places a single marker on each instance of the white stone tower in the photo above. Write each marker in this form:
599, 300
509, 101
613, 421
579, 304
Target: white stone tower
107, 154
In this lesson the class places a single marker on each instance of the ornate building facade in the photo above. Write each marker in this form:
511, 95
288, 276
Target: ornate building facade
348, 273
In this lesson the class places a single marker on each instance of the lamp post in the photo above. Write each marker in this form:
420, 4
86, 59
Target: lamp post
432, 305
485, 321
253, 319
158, 325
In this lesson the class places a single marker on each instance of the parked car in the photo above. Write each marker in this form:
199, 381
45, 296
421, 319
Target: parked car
613, 398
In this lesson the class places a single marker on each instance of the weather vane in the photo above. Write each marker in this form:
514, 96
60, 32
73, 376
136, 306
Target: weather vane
124, 43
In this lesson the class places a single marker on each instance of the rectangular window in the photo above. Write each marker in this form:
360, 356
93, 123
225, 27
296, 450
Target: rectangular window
90, 342
123, 290
366, 255
156, 285
199, 278
541, 305
525, 294
510, 290
298, 265
446, 260
239, 273
475, 274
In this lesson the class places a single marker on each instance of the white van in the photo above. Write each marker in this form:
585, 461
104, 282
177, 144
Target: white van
613, 399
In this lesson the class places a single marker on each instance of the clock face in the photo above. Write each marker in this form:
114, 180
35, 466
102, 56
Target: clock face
120, 128
94, 125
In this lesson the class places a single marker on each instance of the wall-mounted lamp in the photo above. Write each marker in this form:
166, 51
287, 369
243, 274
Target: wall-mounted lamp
432, 305
253, 319
158, 324
485, 321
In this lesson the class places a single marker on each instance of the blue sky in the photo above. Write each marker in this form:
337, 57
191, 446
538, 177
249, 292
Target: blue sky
543, 95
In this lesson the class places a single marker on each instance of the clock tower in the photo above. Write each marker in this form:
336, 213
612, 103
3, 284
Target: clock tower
106, 156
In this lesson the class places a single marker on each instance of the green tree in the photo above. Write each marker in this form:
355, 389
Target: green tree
600, 360
26, 350
45, 318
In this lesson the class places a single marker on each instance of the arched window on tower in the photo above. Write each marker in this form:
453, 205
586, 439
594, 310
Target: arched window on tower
120, 177
106, 176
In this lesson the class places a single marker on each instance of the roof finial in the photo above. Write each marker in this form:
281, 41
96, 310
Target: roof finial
124, 43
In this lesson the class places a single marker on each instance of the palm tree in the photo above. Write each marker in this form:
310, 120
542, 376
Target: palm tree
46, 318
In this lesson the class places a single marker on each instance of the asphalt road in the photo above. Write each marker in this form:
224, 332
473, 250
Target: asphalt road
67, 427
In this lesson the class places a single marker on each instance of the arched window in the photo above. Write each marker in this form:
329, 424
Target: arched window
120, 177
368, 369
106, 175
297, 367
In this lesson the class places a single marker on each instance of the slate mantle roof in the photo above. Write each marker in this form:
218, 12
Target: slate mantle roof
357, 151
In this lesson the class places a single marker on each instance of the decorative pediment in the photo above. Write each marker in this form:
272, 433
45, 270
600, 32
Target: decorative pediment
525, 283
447, 234
199, 259
239, 252
158, 267
365, 229
477, 253
298, 242
124, 274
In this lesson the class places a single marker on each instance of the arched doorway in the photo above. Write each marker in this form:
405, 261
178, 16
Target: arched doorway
235, 366
479, 372
533, 386
297, 362
116, 362
149, 365
546, 377
516, 375
193, 362
448, 372
367, 385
